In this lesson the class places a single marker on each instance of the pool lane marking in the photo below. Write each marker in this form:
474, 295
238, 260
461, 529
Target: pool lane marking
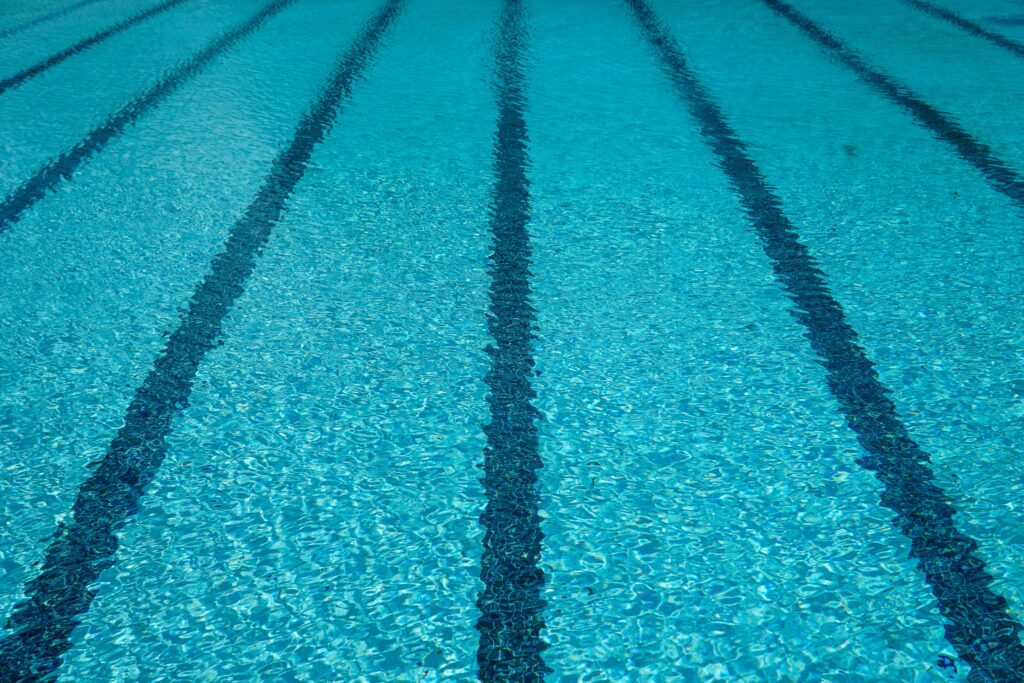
971, 27
978, 624
56, 14
998, 173
64, 166
84, 44
82, 549
511, 605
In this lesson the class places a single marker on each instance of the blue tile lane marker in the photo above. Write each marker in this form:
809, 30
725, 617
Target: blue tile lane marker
511, 605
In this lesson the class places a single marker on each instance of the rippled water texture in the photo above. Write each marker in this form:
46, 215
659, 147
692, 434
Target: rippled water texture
598, 340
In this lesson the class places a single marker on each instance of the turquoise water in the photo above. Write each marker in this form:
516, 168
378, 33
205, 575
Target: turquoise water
353, 340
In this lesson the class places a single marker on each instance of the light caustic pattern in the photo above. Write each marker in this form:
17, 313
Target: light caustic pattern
410, 340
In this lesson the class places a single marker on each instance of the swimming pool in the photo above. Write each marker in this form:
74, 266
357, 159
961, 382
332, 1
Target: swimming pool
601, 340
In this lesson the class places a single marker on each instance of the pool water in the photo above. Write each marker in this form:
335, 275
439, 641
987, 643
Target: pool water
599, 340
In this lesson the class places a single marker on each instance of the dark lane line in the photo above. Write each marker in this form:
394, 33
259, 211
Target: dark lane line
998, 173
56, 14
55, 59
81, 550
967, 25
67, 164
979, 626
511, 605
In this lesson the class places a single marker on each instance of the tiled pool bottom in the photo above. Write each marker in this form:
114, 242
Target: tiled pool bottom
605, 340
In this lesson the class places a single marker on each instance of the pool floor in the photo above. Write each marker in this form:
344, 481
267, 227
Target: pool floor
597, 341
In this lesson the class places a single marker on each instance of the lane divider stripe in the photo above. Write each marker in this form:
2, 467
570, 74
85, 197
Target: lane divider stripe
511, 603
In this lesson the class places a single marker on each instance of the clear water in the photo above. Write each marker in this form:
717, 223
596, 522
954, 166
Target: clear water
317, 514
